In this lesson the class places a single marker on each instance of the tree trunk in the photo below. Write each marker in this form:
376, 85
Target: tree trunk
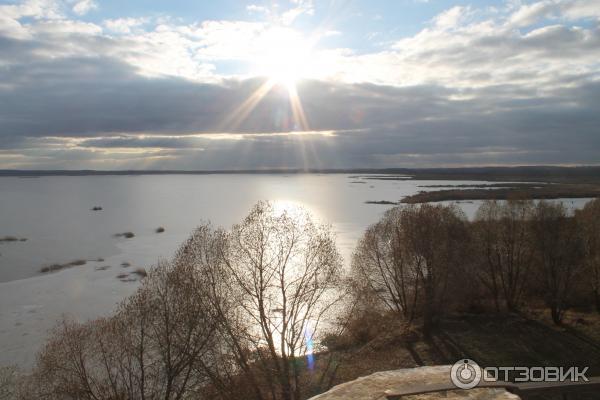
496, 302
510, 306
556, 314
428, 314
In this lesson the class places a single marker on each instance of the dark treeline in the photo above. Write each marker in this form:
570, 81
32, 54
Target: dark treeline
422, 261
238, 313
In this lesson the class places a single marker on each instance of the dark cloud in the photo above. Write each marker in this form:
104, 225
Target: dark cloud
80, 111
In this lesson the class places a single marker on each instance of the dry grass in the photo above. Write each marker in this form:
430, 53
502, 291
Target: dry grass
490, 339
584, 323
8, 382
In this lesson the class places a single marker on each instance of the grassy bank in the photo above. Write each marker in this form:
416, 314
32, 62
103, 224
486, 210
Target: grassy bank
489, 339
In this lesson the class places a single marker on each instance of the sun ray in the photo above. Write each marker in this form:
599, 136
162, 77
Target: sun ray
297, 110
284, 57
240, 114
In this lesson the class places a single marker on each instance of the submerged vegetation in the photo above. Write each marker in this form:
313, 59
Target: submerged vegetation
126, 235
58, 267
265, 311
381, 202
7, 239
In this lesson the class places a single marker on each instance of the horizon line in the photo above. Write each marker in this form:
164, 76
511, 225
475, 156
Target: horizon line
391, 170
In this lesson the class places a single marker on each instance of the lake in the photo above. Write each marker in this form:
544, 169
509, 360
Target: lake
54, 214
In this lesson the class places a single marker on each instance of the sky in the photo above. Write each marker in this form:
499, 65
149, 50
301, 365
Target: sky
113, 84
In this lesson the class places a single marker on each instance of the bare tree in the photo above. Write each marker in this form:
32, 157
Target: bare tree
435, 239
148, 350
273, 278
588, 221
504, 251
382, 265
234, 315
559, 251
408, 258
181, 328
229, 363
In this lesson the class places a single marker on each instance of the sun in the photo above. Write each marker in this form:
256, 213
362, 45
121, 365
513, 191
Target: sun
284, 56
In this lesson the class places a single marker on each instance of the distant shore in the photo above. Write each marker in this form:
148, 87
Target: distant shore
549, 192
579, 174
534, 182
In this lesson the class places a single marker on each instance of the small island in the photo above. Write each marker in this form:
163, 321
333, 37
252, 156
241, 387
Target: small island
8, 239
58, 267
126, 235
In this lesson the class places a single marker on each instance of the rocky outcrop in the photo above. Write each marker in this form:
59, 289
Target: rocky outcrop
377, 385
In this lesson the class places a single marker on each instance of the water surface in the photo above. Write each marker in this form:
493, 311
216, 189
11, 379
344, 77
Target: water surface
54, 214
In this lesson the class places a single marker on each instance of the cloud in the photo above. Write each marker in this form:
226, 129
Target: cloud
332, 32
287, 16
451, 18
467, 48
301, 7
528, 14
38, 9
253, 8
11, 14
124, 25
519, 85
84, 6
178, 124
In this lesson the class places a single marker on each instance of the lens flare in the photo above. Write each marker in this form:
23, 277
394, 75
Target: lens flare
310, 357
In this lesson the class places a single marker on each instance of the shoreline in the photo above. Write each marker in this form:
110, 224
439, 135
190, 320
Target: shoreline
544, 173
550, 192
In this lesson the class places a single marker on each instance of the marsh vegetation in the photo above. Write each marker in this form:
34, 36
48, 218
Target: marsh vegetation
58, 267
126, 235
8, 239
506, 192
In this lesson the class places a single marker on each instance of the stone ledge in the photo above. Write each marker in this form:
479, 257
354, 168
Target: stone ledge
375, 386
